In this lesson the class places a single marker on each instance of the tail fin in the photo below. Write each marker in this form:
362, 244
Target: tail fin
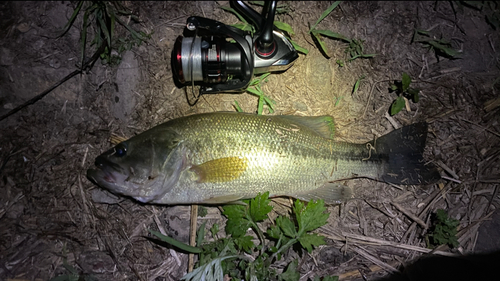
403, 149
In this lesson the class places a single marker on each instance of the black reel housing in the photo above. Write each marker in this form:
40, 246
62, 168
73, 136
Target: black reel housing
209, 60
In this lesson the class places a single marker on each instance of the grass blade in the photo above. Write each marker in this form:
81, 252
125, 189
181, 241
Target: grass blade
284, 26
325, 14
367, 56
447, 51
260, 107
254, 92
264, 76
105, 30
269, 103
71, 20
299, 48
84, 38
356, 85
333, 35
321, 43
176, 243
237, 106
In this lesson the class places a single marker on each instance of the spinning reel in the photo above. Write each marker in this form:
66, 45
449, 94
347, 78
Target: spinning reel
221, 58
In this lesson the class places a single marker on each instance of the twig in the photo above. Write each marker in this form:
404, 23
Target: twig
370, 96
192, 235
486, 129
410, 215
355, 273
447, 169
84, 202
429, 202
356, 238
393, 122
376, 261
451, 179
88, 65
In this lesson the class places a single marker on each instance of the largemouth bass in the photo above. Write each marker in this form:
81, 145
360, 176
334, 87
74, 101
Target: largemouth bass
222, 157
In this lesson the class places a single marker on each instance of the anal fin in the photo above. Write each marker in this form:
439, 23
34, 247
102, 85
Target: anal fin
331, 192
233, 199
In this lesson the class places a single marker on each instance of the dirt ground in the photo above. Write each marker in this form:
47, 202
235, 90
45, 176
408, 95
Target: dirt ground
53, 219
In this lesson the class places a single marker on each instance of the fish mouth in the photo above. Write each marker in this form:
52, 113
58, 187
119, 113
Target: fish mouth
106, 173
97, 175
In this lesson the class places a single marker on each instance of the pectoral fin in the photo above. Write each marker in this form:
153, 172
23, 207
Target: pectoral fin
331, 192
221, 170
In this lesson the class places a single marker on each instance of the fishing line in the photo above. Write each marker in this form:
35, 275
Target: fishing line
190, 66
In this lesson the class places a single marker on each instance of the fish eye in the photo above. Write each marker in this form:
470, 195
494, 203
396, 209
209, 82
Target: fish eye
121, 150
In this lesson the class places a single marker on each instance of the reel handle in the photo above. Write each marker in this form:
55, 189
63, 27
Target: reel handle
265, 45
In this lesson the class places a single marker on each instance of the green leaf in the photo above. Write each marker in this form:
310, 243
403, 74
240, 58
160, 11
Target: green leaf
332, 34
274, 231
237, 106
299, 48
245, 243
284, 26
259, 207
311, 216
444, 229
406, 80
308, 240
287, 226
325, 14
397, 105
211, 271
176, 243
202, 211
291, 273
414, 94
321, 43
234, 211
214, 230
236, 224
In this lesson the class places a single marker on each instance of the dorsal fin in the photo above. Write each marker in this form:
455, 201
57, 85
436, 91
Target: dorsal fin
323, 125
